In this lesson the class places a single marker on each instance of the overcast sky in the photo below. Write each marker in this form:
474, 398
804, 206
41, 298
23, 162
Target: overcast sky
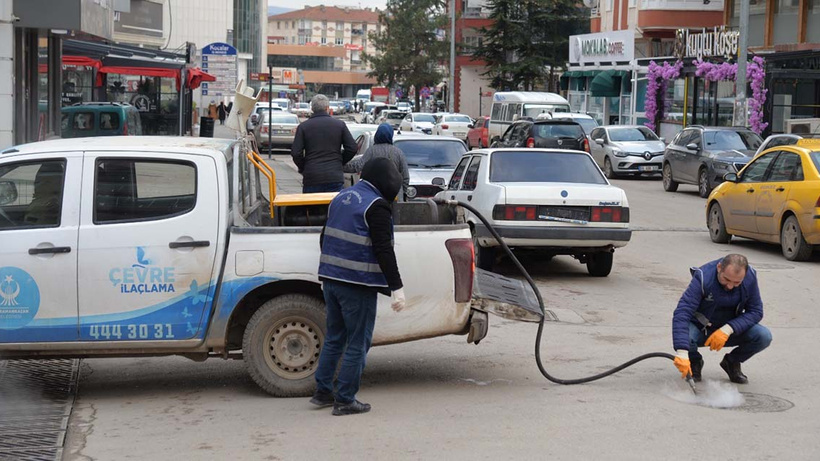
297, 4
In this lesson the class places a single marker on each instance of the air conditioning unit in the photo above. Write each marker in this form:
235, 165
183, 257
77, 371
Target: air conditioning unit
803, 125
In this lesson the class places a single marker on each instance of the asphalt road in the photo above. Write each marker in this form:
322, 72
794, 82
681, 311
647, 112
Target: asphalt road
444, 399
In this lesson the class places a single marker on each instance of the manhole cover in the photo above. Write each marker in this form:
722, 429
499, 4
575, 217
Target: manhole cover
762, 403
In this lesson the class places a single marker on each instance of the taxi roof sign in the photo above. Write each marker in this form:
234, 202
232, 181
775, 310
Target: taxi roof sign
809, 142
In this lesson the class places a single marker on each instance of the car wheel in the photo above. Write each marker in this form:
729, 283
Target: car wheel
794, 246
484, 256
600, 264
716, 225
669, 184
704, 189
610, 174
282, 343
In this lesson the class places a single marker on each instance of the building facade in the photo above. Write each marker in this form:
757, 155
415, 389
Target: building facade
473, 95
326, 44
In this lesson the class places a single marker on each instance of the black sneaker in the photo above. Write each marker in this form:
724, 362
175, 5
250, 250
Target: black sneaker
697, 369
322, 400
733, 370
353, 408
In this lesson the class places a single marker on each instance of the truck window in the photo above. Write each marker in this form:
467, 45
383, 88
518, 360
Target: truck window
128, 190
31, 194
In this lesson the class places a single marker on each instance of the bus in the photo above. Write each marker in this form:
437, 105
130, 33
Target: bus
508, 106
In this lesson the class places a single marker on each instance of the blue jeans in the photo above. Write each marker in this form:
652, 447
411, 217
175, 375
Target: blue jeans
351, 315
328, 187
748, 343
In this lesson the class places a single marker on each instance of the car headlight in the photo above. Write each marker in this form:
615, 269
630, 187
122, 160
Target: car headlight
411, 192
619, 153
723, 166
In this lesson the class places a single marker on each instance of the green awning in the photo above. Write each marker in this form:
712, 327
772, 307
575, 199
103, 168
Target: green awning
607, 83
564, 81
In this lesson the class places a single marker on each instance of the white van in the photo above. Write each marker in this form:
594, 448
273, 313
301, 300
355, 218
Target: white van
284, 103
363, 96
508, 106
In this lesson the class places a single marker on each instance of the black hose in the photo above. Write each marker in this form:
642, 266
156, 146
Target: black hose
539, 335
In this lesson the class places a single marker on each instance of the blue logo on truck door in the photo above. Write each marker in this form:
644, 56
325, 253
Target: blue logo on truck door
142, 277
19, 298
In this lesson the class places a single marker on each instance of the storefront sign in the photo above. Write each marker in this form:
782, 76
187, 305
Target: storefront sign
605, 47
219, 60
352, 47
717, 42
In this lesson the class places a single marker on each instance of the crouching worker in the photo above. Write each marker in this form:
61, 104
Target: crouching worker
721, 307
357, 263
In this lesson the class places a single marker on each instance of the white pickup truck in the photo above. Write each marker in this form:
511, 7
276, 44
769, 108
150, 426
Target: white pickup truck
137, 246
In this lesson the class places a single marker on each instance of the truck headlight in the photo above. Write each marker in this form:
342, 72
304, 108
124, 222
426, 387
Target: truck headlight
411, 192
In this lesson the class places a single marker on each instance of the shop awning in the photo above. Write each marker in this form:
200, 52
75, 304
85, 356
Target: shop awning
607, 83
143, 71
196, 76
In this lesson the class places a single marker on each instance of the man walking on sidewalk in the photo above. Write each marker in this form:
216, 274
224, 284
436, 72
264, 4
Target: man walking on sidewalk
321, 147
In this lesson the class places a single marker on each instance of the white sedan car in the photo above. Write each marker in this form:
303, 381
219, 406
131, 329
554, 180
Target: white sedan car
456, 125
551, 200
420, 122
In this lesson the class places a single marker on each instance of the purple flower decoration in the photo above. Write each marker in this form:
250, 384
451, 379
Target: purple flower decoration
755, 74
656, 83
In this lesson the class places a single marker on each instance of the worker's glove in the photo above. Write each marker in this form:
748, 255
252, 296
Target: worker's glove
682, 364
398, 300
718, 339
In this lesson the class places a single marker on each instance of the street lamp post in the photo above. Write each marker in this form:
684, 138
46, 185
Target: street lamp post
742, 55
452, 82
270, 110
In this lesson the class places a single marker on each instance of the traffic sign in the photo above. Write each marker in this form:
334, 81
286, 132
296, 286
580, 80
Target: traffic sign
219, 60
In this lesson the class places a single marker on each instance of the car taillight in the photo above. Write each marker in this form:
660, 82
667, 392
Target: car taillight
530, 142
609, 214
514, 212
586, 145
445, 127
463, 255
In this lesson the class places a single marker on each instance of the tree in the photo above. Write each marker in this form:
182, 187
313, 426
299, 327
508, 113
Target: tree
528, 40
408, 47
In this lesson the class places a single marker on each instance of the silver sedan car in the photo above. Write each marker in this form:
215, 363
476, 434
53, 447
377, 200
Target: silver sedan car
276, 130
626, 150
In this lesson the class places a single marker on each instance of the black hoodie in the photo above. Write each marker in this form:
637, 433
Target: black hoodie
382, 173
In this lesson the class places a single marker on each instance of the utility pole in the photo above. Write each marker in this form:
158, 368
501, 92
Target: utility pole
452, 84
270, 110
742, 56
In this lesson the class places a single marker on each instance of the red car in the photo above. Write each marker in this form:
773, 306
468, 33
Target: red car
479, 133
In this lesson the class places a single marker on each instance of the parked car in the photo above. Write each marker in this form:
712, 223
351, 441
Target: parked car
782, 139
100, 119
555, 201
556, 134
703, 155
478, 134
358, 128
773, 199
431, 161
455, 125
404, 106
393, 117
282, 126
586, 121
337, 107
258, 110
421, 122
367, 112
302, 109
622, 149
377, 112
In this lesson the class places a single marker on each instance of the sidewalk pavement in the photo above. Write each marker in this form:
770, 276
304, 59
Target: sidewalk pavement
288, 179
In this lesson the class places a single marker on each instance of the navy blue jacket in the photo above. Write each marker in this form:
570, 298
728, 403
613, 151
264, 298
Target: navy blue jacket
699, 297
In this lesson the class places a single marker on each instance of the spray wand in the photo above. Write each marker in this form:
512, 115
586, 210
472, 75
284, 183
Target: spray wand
539, 335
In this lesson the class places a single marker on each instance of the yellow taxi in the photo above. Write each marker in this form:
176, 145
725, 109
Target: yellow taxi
775, 198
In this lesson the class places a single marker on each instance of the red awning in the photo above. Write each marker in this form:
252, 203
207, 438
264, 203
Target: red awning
144, 71
74, 61
196, 76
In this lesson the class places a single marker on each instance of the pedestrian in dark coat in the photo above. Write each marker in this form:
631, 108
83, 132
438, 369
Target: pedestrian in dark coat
383, 147
222, 112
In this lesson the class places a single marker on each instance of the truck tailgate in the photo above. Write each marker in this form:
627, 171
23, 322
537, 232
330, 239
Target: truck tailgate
508, 298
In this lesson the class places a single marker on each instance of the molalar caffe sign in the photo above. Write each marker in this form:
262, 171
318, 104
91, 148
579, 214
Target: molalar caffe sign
607, 47
707, 43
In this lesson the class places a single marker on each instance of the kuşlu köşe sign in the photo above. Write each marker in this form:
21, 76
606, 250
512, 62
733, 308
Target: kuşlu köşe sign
607, 47
718, 42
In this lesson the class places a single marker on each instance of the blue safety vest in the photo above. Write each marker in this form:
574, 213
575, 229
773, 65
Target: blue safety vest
347, 251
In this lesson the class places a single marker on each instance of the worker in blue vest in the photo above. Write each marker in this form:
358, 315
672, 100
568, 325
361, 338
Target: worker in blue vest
357, 263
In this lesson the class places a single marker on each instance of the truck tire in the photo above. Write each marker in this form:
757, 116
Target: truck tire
600, 264
294, 326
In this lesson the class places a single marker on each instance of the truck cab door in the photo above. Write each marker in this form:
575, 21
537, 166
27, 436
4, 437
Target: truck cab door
148, 241
39, 215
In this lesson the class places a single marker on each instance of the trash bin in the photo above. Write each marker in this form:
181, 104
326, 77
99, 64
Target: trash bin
206, 127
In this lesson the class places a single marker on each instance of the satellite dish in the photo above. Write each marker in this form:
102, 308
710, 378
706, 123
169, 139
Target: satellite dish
591, 3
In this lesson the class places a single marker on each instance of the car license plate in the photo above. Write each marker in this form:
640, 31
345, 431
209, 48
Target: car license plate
460, 134
647, 168
281, 131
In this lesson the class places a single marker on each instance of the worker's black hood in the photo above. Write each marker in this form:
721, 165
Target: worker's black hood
383, 174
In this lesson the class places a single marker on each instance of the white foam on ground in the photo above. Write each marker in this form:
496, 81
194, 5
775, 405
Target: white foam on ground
710, 393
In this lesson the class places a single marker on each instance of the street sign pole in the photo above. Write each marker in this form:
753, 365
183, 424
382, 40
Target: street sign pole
270, 111
452, 84
742, 56
480, 92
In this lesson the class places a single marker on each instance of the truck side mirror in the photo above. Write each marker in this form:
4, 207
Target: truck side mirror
8, 192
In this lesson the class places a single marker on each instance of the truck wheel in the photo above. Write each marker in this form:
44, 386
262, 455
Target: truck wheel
282, 343
484, 256
792, 243
716, 225
600, 264
669, 184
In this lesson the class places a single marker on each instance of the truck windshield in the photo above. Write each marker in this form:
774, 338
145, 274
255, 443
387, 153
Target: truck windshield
523, 166
433, 153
